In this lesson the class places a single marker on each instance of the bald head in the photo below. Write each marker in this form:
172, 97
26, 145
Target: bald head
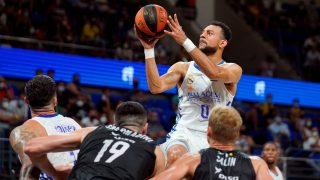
225, 123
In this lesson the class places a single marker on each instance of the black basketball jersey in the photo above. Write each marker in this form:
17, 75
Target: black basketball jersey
111, 152
226, 165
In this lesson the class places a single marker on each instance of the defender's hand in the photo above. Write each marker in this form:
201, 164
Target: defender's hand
176, 30
147, 44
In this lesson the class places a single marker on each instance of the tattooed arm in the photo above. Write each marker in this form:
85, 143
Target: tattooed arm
18, 138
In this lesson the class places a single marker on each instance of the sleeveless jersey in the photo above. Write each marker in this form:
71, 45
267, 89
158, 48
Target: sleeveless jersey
56, 124
279, 175
197, 96
230, 165
111, 152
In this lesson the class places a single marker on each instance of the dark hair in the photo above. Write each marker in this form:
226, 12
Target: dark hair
130, 114
271, 143
226, 31
40, 90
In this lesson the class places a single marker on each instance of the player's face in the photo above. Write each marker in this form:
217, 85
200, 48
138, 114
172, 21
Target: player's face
270, 153
210, 38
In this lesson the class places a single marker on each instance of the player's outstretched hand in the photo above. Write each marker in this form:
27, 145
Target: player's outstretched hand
147, 44
176, 30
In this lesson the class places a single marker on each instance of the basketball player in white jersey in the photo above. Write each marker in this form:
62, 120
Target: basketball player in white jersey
41, 96
202, 83
270, 154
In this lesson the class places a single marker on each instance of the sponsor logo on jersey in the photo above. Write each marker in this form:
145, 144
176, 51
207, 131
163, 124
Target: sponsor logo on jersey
190, 79
222, 176
205, 96
65, 128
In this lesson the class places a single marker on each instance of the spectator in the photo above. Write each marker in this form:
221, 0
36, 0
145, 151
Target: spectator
244, 142
50, 73
296, 114
74, 87
267, 108
280, 132
39, 72
4, 90
310, 134
155, 129
93, 119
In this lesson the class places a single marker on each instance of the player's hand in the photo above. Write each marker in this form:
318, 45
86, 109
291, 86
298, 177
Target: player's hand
176, 30
147, 44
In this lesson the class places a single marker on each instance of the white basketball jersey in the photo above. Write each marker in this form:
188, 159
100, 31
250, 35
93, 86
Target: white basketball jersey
197, 96
56, 124
279, 175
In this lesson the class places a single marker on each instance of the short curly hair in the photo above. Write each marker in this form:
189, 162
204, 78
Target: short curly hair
40, 90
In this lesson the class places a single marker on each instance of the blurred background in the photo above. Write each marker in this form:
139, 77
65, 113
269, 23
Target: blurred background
89, 48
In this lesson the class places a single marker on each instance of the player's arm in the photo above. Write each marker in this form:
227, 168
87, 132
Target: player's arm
261, 168
160, 161
229, 73
157, 83
56, 143
18, 138
184, 167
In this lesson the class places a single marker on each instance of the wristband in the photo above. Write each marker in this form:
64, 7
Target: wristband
149, 53
188, 45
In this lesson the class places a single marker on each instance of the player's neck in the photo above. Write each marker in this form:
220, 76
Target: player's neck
133, 128
272, 167
222, 146
46, 110
215, 58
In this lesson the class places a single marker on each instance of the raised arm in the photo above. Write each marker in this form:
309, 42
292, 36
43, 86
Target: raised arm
184, 167
157, 83
20, 136
229, 73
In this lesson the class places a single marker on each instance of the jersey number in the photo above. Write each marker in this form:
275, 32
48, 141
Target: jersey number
204, 111
116, 150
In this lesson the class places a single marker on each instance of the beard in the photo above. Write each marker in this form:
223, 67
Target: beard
269, 162
209, 50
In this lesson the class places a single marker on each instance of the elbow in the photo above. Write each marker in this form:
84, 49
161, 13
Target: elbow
154, 90
31, 150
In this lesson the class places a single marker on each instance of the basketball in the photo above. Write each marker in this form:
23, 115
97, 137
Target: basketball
150, 21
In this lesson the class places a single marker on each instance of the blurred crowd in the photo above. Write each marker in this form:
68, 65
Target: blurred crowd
288, 126
104, 28
291, 26
106, 25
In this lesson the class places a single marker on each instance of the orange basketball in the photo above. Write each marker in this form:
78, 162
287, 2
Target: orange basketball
150, 21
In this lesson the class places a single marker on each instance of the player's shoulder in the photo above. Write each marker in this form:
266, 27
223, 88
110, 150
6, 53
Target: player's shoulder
256, 160
232, 64
181, 64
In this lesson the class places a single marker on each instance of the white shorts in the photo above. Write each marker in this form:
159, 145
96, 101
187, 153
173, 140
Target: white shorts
191, 139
